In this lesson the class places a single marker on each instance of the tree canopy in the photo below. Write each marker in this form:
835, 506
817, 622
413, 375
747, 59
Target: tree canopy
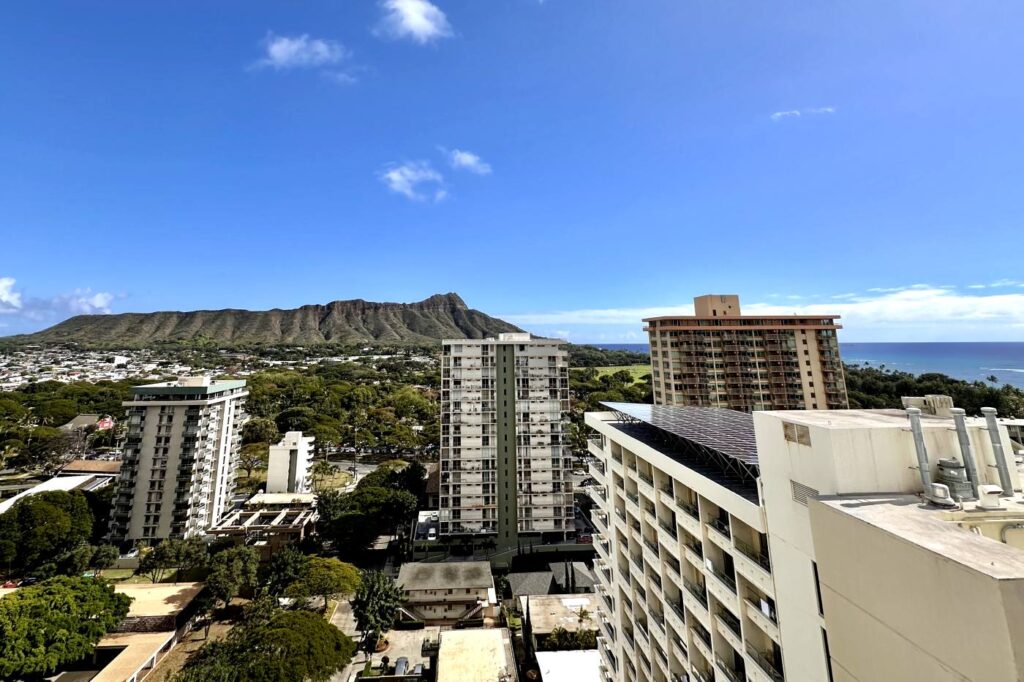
55, 622
272, 646
325, 578
375, 605
45, 526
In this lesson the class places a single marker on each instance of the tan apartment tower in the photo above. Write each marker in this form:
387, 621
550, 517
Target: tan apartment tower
180, 459
720, 358
505, 461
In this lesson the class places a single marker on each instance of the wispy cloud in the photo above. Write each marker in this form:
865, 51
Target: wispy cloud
998, 284
914, 312
418, 20
15, 305
416, 180
797, 113
461, 159
300, 52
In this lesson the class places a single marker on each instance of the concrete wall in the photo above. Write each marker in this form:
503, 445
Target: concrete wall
897, 611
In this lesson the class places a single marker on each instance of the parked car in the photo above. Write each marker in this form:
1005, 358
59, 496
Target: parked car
432, 534
401, 665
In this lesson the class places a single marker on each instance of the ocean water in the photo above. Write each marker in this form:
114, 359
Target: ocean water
968, 361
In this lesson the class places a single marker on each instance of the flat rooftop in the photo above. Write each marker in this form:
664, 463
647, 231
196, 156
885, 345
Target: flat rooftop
552, 611
159, 599
65, 483
569, 666
276, 499
189, 386
445, 575
949, 533
476, 655
852, 419
138, 649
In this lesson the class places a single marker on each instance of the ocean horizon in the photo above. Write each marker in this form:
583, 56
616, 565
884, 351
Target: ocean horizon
970, 361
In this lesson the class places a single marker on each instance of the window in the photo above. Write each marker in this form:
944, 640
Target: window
817, 588
796, 433
828, 654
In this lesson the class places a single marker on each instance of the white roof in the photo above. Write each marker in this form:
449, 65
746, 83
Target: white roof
569, 666
57, 483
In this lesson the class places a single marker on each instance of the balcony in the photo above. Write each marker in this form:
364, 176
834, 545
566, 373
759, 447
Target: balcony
762, 560
765, 663
634, 498
646, 485
699, 593
767, 622
728, 671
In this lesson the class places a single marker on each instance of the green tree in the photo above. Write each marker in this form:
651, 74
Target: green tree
260, 430
375, 606
47, 450
292, 645
320, 471
45, 526
253, 456
325, 578
103, 558
231, 571
284, 568
56, 622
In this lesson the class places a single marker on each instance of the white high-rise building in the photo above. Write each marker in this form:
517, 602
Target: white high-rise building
288, 464
180, 459
810, 546
505, 461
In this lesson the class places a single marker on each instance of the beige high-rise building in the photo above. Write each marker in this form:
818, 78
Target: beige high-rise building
720, 358
505, 460
797, 545
180, 459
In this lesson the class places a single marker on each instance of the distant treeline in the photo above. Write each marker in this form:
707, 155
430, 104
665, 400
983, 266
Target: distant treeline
592, 356
872, 388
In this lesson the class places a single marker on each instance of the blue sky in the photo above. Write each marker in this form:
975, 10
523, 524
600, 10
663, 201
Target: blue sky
570, 165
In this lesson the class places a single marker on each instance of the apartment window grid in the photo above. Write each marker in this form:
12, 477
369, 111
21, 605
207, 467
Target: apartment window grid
469, 428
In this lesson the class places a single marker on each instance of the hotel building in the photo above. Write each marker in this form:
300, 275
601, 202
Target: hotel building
720, 358
796, 545
505, 461
179, 460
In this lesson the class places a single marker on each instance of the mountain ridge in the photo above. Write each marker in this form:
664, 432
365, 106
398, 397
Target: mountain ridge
337, 322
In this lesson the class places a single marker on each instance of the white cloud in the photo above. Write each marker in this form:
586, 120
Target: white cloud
10, 300
300, 52
31, 311
918, 312
797, 113
998, 284
418, 20
410, 178
461, 159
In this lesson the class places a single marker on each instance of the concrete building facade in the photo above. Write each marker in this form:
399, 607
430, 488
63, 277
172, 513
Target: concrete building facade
505, 461
180, 459
796, 545
288, 464
720, 358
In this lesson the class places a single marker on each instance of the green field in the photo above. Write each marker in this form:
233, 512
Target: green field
638, 371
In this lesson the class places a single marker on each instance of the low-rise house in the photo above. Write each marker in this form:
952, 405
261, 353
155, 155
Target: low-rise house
568, 613
449, 592
572, 577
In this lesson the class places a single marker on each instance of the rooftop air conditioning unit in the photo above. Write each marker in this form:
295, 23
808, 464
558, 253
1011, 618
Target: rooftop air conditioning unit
989, 497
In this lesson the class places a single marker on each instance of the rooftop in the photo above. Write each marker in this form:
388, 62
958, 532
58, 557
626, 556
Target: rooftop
968, 537
852, 419
436, 576
65, 483
715, 442
560, 610
532, 583
188, 386
277, 499
92, 466
569, 666
159, 599
475, 655
137, 649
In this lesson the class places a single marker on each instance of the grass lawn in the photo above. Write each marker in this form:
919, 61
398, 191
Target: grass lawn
339, 479
638, 371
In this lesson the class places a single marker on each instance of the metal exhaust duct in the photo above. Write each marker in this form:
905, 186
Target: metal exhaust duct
965, 448
997, 449
914, 414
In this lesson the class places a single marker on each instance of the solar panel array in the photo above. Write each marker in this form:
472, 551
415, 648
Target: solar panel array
727, 431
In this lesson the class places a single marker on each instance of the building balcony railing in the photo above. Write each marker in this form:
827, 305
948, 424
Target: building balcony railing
765, 663
730, 673
754, 555
727, 580
731, 622
720, 525
668, 528
700, 593
689, 509
770, 615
